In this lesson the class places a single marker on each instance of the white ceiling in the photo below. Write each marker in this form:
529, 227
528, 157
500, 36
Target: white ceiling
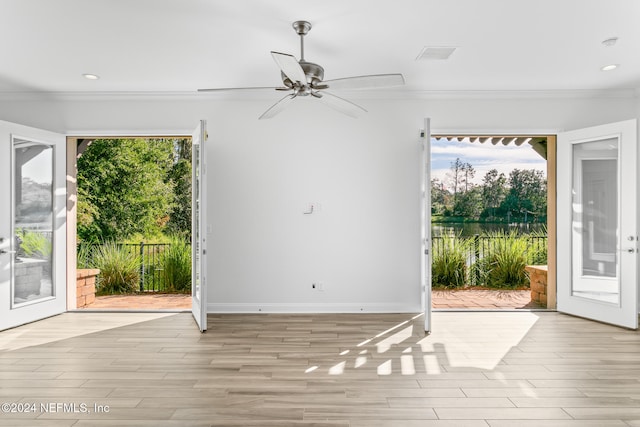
182, 45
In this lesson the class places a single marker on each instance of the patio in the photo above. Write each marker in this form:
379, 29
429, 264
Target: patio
473, 299
143, 302
483, 299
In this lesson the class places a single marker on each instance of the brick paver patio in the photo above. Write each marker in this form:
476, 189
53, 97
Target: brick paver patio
483, 299
142, 302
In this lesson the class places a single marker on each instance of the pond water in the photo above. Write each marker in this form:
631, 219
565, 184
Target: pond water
471, 228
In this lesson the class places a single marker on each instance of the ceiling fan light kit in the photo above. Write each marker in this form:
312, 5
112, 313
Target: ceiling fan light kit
303, 78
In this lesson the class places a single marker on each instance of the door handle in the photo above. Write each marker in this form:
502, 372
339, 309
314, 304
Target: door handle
631, 250
4, 251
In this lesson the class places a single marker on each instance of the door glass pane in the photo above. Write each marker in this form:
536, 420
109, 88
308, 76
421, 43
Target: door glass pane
595, 269
32, 278
196, 223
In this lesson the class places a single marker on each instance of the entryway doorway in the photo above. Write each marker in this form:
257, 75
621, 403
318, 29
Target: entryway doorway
493, 231
40, 192
132, 222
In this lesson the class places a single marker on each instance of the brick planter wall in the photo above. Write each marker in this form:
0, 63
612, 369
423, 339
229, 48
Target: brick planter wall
86, 286
538, 283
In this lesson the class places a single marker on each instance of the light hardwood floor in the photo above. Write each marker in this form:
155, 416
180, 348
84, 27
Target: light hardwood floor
495, 369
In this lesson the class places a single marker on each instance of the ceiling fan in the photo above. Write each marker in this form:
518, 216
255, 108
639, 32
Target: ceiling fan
302, 78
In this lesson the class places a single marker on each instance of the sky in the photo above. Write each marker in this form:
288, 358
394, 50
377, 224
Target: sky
483, 157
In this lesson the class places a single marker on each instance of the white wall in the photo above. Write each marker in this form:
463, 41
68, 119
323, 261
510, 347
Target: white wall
364, 243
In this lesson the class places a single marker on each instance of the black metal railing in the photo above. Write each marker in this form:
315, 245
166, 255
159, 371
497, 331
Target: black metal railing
477, 247
149, 256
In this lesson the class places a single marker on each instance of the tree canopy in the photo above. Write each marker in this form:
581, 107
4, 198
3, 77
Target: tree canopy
133, 186
522, 197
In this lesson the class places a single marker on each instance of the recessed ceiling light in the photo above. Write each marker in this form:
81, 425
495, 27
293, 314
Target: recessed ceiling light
609, 67
611, 41
91, 76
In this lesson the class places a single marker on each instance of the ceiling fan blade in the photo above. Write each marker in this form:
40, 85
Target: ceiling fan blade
222, 89
277, 107
366, 82
342, 105
290, 67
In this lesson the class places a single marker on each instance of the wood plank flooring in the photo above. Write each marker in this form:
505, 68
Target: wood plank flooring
489, 369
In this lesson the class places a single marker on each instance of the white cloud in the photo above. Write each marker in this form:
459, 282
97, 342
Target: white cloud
483, 157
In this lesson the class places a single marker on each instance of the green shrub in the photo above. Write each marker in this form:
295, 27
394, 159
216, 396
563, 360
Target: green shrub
504, 265
119, 269
449, 265
175, 264
84, 256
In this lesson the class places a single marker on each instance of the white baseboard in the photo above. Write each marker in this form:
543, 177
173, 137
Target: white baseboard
310, 308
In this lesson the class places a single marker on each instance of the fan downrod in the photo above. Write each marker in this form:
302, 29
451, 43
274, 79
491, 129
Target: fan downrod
302, 28
314, 72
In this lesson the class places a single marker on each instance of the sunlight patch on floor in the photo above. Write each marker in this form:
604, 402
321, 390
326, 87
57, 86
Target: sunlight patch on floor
407, 366
396, 338
69, 325
431, 364
385, 368
460, 339
360, 361
337, 369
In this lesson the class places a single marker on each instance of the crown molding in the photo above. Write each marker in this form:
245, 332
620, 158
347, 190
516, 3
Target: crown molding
381, 94
527, 94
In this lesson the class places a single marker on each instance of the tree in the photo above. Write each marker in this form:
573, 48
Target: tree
180, 176
493, 192
440, 198
527, 196
87, 214
469, 173
460, 177
123, 188
469, 203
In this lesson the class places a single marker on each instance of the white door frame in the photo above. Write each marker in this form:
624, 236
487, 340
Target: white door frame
72, 194
551, 194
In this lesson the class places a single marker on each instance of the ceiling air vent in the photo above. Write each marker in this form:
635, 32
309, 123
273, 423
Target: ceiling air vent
435, 53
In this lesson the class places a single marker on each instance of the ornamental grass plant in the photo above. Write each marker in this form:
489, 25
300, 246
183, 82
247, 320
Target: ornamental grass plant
504, 265
119, 269
175, 264
449, 267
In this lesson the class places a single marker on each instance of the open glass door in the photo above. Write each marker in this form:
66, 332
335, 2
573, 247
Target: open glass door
32, 225
425, 196
597, 224
198, 230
